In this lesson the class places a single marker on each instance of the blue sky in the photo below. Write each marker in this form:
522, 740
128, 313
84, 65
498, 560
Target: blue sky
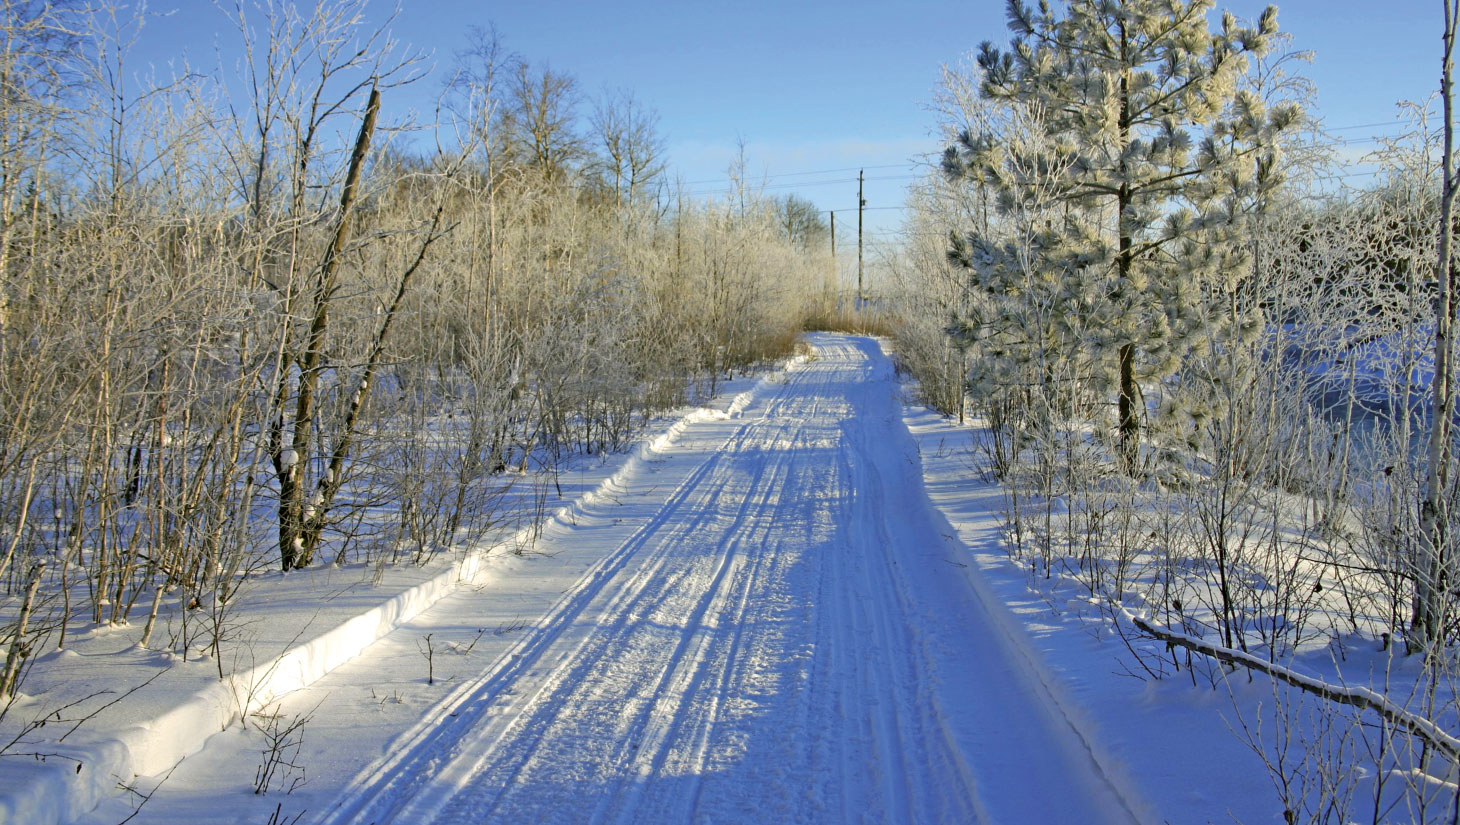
819, 89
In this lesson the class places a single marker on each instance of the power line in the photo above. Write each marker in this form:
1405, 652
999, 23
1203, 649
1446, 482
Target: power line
781, 184
798, 185
815, 172
726, 188
911, 164
1360, 126
866, 208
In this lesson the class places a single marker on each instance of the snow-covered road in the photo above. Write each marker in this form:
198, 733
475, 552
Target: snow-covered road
781, 632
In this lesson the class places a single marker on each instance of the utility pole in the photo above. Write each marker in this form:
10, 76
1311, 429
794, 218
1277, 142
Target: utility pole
861, 204
833, 287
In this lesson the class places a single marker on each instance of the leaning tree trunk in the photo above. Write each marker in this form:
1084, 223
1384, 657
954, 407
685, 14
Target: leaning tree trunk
291, 464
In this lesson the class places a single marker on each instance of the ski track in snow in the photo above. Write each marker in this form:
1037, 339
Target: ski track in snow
788, 638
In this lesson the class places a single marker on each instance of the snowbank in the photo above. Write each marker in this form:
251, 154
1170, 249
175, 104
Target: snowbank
63, 780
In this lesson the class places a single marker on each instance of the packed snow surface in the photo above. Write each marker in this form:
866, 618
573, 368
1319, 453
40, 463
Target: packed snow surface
784, 638
760, 618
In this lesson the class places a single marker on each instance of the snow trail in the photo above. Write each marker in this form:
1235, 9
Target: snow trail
789, 637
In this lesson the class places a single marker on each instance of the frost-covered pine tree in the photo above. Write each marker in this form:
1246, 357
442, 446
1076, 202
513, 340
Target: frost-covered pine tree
1161, 156
1028, 320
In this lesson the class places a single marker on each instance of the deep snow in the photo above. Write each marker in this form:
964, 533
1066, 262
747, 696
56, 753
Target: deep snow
794, 609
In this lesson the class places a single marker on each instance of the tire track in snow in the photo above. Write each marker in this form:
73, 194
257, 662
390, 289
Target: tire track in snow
728, 674
690, 668
423, 752
906, 728
778, 642
641, 673
1003, 676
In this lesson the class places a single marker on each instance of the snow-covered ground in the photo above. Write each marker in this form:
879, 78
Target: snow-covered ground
795, 609
138, 711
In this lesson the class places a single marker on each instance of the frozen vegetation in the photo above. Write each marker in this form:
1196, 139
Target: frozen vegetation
347, 481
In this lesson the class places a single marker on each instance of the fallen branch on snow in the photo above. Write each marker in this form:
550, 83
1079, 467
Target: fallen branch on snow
1359, 697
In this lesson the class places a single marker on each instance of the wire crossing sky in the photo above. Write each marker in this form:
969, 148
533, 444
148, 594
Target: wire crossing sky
818, 90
